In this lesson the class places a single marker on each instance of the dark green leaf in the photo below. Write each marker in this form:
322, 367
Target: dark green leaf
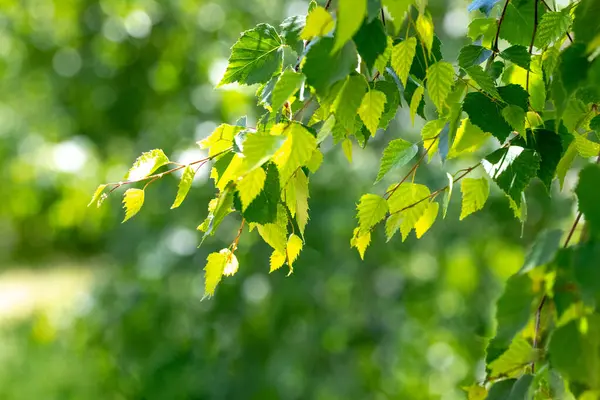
549, 146
552, 26
595, 124
588, 195
484, 81
322, 68
486, 114
390, 89
501, 390
496, 69
473, 55
521, 387
419, 66
517, 175
573, 67
514, 94
371, 42
586, 272
517, 54
585, 25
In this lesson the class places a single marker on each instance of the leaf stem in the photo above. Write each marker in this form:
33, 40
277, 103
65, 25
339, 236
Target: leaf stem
495, 44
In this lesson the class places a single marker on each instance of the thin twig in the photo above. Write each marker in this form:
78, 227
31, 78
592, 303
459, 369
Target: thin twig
538, 317
495, 43
535, 25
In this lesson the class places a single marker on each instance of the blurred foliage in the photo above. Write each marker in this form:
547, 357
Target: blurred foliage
87, 86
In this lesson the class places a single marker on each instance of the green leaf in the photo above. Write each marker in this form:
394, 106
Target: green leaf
318, 23
350, 16
430, 134
384, 58
553, 26
255, 57
250, 186
440, 78
513, 310
263, 209
472, 55
371, 108
295, 152
589, 196
424, 27
564, 165
133, 200
486, 114
404, 213
323, 67
397, 9
549, 146
569, 343
415, 101
292, 250
290, 31
427, 219
585, 24
517, 175
390, 89
371, 42
220, 139
514, 360
258, 149
274, 235
595, 124
585, 147
185, 183
515, 116
213, 271
573, 67
543, 250
97, 196
349, 100
469, 138
517, 26
146, 164
483, 79
537, 88
517, 54
402, 58
475, 193
360, 241
371, 209
484, 28
515, 94
397, 154
550, 61
301, 188
285, 87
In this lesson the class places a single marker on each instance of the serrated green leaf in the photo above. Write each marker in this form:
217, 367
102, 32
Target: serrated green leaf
517, 175
430, 132
133, 200
371, 42
537, 89
482, 79
469, 138
585, 147
263, 209
589, 197
255, 57
185, 183
371, 108
552, 26
360, 241
427, 219
295, 152
549, 146
277, 260
415, 101
517, 54
424, 27
146, 164
564, 165
292, 250
258, 149
486, 114
515, 116
315, 161
550, 61
213, 272
475, 193
347, 149
404, 213
96, 197
371, 209
350, 16
233, 171
349, 100
322, 67
220, 139
286, 86
472, 55
290, 32
318, 23
274, 235
398, 153
513, 310
403, 54
250, 186
511, 363
484, 28
440, 78
397, 9
585, 24
390, 89
384, 58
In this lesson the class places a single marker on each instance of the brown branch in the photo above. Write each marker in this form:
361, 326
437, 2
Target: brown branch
495, 43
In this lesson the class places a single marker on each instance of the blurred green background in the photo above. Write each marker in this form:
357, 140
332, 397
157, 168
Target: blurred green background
94, 309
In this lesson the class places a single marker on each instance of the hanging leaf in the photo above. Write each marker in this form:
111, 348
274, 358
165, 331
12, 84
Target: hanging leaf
360, 240
515, 116
483, 79
133, 200
287, 84
255, 57
440, 78
250, 186
371, 209
415, 102
322, 66
220, 140
371, 42
469, 138
475, 193
398, 153
397, 9
427, 219
185, 183
291, 28
402, 58
97, 196
486, 114
518, 55
146, 164
588, 196
473, 55
404, 209
318, 23
371, 108
424, 26
293, 248
350, 16
295, 152
213, 271
349, 100
517, 175
552, 26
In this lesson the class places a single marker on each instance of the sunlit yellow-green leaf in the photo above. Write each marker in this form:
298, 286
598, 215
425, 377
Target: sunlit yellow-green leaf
350, 16
258, 149
397, 9
213, 271
476, 392
440, 78
565, 163
371, 108
318, 23
232, 173
402, 57
424, 26
407, 204
383, 59
427, 219
474, 195
515, 116
286, 86
295, 152
360, 241
415, 100
146, 164
518, 356
585, 147
347, 149
430, 133
277, 260
185, 183
292, 250
301, 187
133, 200
220, 140
274, 235
96, 197
469, 138
315, 161
371, 209
250, 186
